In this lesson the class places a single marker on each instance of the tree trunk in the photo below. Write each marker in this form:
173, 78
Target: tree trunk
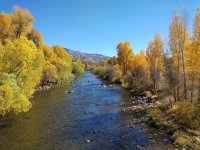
178, 80
175, 96
199, 92
184, 76
192, 88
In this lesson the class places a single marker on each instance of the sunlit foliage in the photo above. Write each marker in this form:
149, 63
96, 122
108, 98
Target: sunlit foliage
63, 63
36, 37
5, 26
22, 22
26, 62
77, 67
155, 59
125, 56
20, 74
192, 55
138, 78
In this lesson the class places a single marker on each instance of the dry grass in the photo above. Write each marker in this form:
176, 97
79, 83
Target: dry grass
186, 114
183, 120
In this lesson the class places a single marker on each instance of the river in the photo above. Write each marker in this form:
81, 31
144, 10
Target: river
91, 118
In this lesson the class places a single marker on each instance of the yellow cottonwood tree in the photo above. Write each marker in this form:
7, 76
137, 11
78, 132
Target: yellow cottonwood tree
193, 55
6, 98
77, 67
58, 66
155, 59
125, 57
50, 73
196, 26
22, 74
5, 26
138, 78
26, 62
22, 21
36, 37
192, 64
178, 41
49, 54
63, 63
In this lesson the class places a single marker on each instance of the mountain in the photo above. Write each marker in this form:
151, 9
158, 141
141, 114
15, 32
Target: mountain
87, 58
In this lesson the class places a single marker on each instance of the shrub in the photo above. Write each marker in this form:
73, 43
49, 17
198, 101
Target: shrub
77, 67
137, 79
187, 114
155, 117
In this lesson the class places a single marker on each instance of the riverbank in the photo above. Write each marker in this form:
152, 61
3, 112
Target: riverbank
170, 117
178, 118
48, 85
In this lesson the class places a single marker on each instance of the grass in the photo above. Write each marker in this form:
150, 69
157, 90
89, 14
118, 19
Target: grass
155, 117
181, 118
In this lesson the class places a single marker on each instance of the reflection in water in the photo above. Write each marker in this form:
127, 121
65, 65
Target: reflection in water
90, 118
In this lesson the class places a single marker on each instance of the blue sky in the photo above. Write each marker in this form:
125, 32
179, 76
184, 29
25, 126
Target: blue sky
97, 26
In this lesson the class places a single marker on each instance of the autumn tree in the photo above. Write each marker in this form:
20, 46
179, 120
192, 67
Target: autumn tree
196, 42
5, 26
169, 72
125, 57
26, 62
112, 61
138, 78
16, 24
155, 59
116, 74
50, 73
178, 41
58, 64
36, 37
77, 67
19, 76
193, 55
184, 39
196, 26
63, 63
22, 21
49, 54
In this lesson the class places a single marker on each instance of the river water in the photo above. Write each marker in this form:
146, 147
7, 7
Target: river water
91, 118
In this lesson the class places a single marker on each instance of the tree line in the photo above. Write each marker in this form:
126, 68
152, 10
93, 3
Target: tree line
26, 62
172, 65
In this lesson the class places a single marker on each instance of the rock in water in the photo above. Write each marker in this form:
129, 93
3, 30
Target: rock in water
113, 118
125, 146
68, 92
95, 131
88, 141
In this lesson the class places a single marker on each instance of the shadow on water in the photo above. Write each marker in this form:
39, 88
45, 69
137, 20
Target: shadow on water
90, 118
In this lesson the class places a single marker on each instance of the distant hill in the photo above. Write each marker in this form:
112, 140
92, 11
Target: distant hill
87, 58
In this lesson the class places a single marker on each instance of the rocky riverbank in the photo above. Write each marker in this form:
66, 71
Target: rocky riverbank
159, 111
50, 84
